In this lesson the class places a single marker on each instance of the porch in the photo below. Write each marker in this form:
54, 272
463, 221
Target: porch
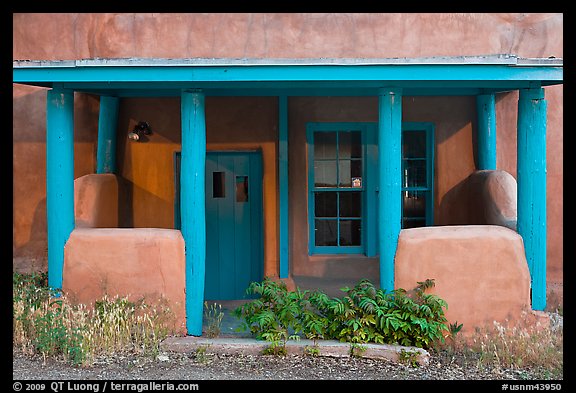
193, 80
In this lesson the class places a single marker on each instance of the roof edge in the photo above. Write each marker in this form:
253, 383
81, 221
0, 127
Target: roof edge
497, 59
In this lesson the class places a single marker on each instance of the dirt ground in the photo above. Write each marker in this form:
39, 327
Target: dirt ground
176, 366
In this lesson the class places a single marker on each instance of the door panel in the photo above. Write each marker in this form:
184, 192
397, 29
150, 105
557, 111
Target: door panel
233, 224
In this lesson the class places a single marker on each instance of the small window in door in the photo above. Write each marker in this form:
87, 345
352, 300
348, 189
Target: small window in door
241, 188
218, 185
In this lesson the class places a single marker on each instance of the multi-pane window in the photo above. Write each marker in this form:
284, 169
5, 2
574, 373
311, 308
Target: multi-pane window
343, 184
417, 178
337, 190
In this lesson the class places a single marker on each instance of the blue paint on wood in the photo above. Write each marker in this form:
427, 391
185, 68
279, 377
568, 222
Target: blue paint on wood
234, 242
428, 128
531, 170
257, 217
213, 246
371, 211
192, 204
313, 249
59, 178
291, 89
283, 185
107, 124
227, 228
486, 112
263, 73
390, 175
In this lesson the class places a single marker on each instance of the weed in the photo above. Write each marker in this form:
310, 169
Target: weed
521, 346
409, 358
312, 350
213, 315
45, 322
357, 350
201, 353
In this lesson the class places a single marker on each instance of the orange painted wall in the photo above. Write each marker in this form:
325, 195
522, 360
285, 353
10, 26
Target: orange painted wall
146, 169
291, 35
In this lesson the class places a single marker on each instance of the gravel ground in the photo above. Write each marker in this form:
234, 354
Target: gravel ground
202, 366
175, 366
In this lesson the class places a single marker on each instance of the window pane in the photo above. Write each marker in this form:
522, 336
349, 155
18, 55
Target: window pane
414, 173
350, 233
218, 185
345, 178
324, 145
325, 204
414, 144
350, 204
349, 144
325, 173
326, 233
349, 169
241, 188
414, 203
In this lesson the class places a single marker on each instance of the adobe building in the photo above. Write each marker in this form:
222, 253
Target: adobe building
182, 156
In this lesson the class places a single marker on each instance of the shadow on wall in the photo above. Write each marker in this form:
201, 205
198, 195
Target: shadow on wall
29, 116
29, 168
139, 216
32, 256
486, 197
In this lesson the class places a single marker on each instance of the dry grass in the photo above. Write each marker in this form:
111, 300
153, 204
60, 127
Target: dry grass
51, 326
522, 347
526, 346
46, 323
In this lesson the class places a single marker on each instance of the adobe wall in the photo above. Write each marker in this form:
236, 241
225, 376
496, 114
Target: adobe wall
96, 201
140, 263
462, 260
77, 36
485, 197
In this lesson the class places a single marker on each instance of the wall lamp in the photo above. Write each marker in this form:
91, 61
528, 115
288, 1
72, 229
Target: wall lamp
140, 131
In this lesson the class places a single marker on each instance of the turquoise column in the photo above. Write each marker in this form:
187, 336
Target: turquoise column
283, 184
486, 112
192, 204
59, 178
390, 176
531, 181
107, 121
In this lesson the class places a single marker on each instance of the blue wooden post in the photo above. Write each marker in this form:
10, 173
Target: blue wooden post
283, 184
532, 188
59, 178
390, 176
107, 121
486, 112
192, 204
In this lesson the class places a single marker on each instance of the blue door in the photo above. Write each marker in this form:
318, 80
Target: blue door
234, 247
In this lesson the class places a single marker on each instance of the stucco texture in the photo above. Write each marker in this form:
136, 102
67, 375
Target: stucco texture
479, 270
272, 35
96, 201
143, 264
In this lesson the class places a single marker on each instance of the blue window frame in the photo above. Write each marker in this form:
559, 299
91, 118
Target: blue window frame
336, 185
343, 215
417, 174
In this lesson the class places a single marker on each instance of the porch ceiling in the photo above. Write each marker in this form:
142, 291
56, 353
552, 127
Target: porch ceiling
463, 75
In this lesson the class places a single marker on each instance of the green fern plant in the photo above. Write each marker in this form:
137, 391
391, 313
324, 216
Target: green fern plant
364, 314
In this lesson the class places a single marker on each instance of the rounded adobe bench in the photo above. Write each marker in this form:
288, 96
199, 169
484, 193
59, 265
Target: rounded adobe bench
480, 270
146, 263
